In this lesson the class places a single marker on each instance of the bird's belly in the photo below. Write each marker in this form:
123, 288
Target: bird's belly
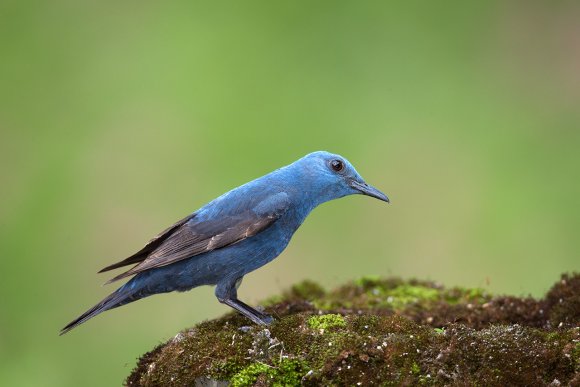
248, 255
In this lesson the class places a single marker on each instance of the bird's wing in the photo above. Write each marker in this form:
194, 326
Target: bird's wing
153, 244
188, 238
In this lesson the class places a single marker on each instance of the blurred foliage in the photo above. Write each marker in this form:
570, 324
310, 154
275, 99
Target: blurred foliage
118, 118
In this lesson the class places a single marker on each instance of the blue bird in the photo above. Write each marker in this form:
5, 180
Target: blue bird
234, 234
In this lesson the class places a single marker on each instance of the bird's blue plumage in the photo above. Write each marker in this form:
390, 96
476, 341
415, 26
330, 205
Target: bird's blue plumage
235, 234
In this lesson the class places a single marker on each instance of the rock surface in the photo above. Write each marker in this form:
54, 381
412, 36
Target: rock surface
381, 332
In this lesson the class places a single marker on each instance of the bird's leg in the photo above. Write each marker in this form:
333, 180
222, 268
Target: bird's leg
226, 293
251, 313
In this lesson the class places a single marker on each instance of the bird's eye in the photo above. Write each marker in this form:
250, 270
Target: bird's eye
337, 165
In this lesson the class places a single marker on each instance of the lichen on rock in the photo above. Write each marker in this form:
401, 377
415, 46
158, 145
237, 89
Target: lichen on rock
376, 331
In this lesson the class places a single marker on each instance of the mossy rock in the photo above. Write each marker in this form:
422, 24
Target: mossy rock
381, 332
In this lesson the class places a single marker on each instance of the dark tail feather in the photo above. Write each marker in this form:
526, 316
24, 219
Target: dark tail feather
118, 298
153, 244
135, 258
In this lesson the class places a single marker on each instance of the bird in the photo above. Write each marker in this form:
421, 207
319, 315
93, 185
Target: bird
233, 235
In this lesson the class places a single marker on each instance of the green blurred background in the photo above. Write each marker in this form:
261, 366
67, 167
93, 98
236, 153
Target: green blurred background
118, 118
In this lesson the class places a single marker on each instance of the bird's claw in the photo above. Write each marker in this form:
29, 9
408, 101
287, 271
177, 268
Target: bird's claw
266, 319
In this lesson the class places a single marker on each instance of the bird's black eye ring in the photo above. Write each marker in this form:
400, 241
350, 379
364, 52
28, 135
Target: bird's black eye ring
337, 165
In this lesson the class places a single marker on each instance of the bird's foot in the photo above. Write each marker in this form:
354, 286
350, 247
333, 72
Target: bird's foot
266, 319
259, 317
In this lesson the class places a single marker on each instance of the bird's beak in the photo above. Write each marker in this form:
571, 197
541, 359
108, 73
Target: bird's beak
368, 190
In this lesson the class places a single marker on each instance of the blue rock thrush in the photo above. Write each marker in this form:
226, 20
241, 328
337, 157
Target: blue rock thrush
234, 234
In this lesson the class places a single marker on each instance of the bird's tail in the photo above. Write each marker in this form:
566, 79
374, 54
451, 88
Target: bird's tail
124, 295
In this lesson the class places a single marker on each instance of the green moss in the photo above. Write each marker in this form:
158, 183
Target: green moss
284, 373
381, 332
576, 355
395, 294
474, 296
368, 281
224, 369
552, 336
415, 368
402, 295
326, 321
249, 375
307, 290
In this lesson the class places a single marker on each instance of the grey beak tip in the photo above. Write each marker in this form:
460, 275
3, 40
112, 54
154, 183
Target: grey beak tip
369, 190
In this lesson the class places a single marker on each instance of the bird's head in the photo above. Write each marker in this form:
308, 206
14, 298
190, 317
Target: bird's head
331, 176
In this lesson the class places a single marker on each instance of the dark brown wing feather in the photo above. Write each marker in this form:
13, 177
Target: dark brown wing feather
153, 244
187, 240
